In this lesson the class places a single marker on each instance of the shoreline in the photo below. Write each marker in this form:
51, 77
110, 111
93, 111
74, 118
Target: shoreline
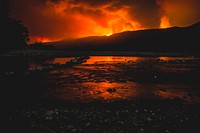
65, 53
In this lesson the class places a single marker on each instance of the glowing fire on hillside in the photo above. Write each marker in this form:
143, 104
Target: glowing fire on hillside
165, 22
54, 20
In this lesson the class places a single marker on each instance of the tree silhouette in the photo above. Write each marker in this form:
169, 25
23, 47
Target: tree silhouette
14, 35
41, 46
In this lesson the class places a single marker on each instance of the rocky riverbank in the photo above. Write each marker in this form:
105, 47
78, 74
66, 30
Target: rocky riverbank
139, 116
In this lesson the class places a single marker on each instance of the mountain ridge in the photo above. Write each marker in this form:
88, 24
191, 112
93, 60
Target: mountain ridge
174, 39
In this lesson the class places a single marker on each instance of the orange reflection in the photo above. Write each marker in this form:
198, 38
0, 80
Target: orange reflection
171, 95
89, 82
177, 91
175, 58
110, 59
165, 58
91, 91
178, 94
100, 90
61, 60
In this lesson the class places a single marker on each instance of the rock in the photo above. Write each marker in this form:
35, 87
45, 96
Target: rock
117, 113
121, 122
9, 73
69, 126
106, 120
141, 129
111, 90
27, 73
87, 124
31, 69
40, 68
74, 130
149, 119
187, 118
48, 117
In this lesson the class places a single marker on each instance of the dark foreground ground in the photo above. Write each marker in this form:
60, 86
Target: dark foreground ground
117, 117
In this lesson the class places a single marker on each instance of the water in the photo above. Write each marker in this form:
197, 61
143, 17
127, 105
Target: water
108, 78
129, 77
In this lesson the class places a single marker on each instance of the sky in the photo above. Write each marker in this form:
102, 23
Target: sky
53, 20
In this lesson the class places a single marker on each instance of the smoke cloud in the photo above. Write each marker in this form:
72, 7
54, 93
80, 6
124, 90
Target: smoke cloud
63, 19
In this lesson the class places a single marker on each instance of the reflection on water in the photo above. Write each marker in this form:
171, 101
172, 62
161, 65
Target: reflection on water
110, 59
175, 59
90, 91
61, 60
128, 77
186, 93
39, 62
110, 78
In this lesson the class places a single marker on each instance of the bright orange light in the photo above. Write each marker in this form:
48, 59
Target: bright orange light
39, 39
71, 19
42, 39
165, 22
92, 21
110, 59
165, 58
112, 23
108, 34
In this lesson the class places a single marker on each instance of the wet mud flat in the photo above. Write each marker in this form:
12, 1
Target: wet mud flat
102, 94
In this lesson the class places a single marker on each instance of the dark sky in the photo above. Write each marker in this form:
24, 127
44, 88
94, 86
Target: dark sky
50, 20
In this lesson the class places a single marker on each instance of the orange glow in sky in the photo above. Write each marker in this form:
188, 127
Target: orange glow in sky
40, 39
53, 20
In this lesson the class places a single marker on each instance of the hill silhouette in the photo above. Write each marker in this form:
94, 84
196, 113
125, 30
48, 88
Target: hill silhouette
174, 39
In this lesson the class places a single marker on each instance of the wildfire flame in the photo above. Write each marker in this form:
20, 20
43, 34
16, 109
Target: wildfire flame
117, 24
40, 39
165, 22
54, 20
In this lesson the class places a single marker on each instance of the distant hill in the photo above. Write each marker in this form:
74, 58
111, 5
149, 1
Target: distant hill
175, 39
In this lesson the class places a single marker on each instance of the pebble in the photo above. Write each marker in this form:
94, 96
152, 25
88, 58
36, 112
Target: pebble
87, 124
167, 131
70, 126
74, 130
149, 119
106, 120
141, 129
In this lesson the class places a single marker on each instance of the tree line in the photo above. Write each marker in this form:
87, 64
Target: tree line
13, 34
